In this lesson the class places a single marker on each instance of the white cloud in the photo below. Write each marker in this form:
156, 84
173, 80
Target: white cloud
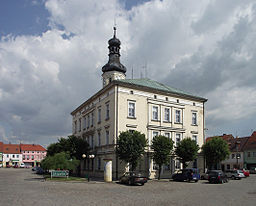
205, 48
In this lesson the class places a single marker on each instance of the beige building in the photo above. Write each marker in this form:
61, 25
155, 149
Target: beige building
135, 104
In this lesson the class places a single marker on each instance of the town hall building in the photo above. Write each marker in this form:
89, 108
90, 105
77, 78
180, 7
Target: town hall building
144, 105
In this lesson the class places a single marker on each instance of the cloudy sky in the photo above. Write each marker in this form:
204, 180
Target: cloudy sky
52, 51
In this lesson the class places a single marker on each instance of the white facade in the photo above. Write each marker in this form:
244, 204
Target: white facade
12, 159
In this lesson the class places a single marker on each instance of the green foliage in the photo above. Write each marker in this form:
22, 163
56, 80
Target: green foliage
215, 151
73, 145
186, 151
162, 147
61, 161
130, 147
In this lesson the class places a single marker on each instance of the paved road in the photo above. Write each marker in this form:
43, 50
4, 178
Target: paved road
22, 187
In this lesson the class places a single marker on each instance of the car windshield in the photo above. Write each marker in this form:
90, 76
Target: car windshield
239, 171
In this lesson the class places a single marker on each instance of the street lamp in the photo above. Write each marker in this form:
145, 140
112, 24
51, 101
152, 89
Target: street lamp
237, 154
91, 156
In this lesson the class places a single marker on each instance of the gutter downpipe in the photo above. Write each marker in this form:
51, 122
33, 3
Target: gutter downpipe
116, 131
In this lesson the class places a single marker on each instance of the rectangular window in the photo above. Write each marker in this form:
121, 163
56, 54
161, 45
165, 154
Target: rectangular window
92, 119
194, 118
167, 114
107, 137
177, 116
177, 164
194, 137
248, 154
92, 141
99, 115
99, 163
88, 120
24, 157
99, 139
178, 138
79, 125
75, 129
7, 156
107, 111
17, 156
233, 156
27, 157
155, 134
155, 113
13, 156
131, 109
167, 134
84, 122
228, 167
254, 154
32, 157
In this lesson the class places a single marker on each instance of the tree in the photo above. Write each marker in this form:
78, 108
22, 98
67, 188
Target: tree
61, 161
162, 147
130, 147
73, 145
186, 151
215, 151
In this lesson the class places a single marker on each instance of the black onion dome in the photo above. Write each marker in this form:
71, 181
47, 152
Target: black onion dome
114, 42
114, 56
114, 66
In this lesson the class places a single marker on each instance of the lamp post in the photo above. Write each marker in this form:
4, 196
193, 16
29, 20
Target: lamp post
237, 154
91, 156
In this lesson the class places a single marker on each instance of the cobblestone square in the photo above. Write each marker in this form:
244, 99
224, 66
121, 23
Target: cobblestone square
23, 187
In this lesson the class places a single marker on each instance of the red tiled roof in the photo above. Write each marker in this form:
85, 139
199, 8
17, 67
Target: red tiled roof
226, 137
31, 147
251, 143
238, 144
11, 148
1, 146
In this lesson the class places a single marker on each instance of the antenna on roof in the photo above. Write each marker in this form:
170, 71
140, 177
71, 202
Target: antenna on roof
114, 25
132, 72
145, 69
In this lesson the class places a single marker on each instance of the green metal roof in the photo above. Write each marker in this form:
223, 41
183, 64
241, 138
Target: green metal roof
158, 86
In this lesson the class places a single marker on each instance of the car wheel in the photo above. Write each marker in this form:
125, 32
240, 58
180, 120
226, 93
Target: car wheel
130, 182
196, 180
142, 184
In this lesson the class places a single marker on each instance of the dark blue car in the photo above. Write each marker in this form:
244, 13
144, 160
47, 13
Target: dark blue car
188, 174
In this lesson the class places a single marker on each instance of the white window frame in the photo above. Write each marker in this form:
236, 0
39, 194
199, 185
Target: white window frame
167, 134
177, 116
131, 110
107, 111
99, 115
99, 138
194, 118
194, 137
176, 137
166, 118
155, 113
155, 133
107, 137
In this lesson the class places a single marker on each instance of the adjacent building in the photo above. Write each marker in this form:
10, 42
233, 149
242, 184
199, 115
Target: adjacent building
32, 154
11, 155
144, 105
242, 152
1, 153
250, 152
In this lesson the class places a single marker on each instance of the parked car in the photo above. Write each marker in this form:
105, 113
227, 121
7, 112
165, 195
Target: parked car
40, 171
133, 178
246, 173
22, 165
34, 168
217, 176
253, 170
204, 176
187, 174
235, 174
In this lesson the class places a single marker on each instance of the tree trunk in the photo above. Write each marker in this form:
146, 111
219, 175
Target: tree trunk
160, 170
